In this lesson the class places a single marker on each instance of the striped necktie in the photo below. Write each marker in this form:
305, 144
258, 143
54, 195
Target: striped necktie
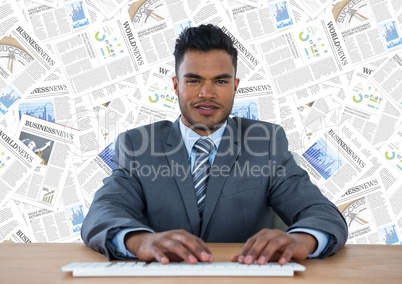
200, 173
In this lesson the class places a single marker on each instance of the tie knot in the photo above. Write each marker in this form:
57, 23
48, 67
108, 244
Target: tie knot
204, 145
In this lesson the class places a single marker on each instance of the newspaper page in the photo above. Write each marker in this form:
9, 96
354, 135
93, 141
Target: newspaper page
158, 30
304, 55
314, 7
256, 100
159, 100
369, 28
317, 116
389, 176
112, 117
157, 24
291, 123
10, 15
387, 78
102, 114
249, 61
91, 174
10, 121
51, 101
51, 3
315, 93
308, 112
101, 55
50, 23
256, 3
391, 149
26, 62
367, 211
113, 91
54, 145
88, 124
334, 163
64, 224
368, 110
253, 22
13, 226
110, 7
399, 221
17, 163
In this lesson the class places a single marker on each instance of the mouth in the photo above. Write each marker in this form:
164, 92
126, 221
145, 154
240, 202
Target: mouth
206, 108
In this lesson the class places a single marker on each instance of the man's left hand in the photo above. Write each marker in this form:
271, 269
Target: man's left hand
276, 245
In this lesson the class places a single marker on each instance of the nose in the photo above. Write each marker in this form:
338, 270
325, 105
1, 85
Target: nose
207, 91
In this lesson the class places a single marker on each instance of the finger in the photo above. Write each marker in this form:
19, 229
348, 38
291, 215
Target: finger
260, 241
287, 254
180, 250
203, 252
246, 248
159, 255
275, 248
195, 246
235, 258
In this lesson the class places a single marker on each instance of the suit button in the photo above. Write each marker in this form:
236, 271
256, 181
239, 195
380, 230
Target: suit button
101, 250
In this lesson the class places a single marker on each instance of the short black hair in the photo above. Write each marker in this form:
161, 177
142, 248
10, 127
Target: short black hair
203, 38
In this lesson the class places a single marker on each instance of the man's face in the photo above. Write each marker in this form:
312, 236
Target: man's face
205, 86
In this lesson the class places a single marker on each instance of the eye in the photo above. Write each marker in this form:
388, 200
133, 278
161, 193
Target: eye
193, 81
221, 81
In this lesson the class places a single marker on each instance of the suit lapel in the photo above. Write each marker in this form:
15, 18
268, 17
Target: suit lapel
177, 155
226, 156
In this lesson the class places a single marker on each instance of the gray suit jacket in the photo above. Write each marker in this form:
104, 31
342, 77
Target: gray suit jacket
252, 175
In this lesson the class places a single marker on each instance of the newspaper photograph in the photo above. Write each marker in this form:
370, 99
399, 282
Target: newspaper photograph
17, 163
54, 145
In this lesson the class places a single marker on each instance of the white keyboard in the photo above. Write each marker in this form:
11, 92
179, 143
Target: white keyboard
111, 269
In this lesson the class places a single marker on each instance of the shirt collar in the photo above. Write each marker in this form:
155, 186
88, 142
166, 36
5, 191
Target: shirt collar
190, 136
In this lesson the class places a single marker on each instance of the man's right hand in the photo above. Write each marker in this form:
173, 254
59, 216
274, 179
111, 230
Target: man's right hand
175, 245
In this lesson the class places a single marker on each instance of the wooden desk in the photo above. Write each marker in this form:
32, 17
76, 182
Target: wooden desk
40, 263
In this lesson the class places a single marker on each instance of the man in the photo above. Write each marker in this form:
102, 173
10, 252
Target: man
165, 200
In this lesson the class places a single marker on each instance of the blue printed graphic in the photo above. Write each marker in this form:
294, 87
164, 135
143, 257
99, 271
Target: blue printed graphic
324, 159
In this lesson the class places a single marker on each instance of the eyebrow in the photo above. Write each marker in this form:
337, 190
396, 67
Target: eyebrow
220, 76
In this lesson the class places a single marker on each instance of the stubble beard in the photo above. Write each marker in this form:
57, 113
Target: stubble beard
198, 124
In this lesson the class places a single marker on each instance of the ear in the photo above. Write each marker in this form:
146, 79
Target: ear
175, 85
236, 84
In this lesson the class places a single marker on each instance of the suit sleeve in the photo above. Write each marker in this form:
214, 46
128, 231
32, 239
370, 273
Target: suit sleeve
299, 202
118, 204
